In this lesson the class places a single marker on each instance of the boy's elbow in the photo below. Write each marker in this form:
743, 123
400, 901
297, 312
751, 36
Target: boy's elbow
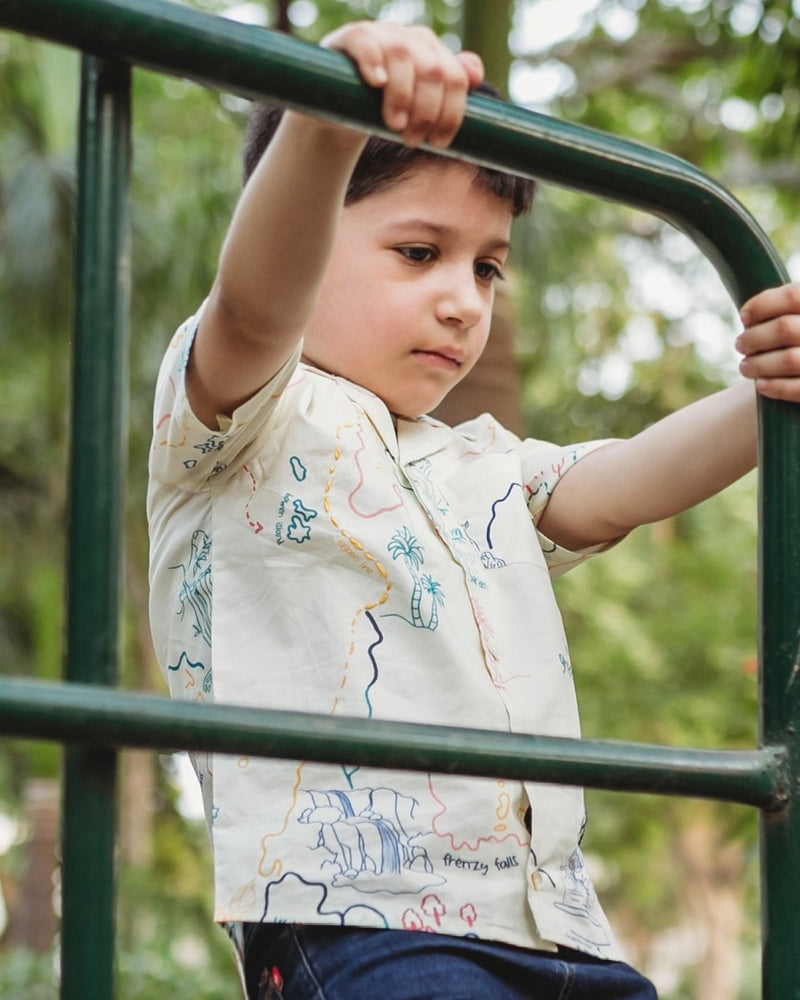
584, 509
582, 535
230, 319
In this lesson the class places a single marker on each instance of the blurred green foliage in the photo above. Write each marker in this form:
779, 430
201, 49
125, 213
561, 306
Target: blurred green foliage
619, 322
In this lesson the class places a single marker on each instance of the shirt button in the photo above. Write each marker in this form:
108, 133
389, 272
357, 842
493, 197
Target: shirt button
536, 880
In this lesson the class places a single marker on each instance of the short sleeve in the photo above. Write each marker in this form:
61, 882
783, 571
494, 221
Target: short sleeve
184, 452
543, 466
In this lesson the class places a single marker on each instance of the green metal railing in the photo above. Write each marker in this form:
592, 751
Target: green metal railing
93, 718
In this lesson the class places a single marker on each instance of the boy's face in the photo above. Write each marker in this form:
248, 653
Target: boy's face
406, 301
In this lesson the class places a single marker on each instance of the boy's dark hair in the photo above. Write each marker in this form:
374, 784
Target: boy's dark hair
382, 162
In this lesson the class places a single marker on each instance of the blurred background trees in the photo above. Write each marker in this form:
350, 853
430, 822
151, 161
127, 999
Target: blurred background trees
614, 320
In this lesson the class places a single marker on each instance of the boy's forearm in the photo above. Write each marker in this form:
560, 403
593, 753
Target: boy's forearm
676, 463
284, 224
271, 264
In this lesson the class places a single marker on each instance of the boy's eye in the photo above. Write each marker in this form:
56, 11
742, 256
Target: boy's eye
417, 255
486, 270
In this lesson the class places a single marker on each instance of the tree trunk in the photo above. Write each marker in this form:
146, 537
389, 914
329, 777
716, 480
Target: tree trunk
138, 767
31, 913
714, 891
282, 22
137, 783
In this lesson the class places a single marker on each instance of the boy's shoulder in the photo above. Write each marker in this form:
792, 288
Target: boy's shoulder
485, 431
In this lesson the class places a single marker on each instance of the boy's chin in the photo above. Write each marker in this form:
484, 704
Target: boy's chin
420, 407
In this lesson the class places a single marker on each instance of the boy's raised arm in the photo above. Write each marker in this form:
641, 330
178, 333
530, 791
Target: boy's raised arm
284, 226
691, 454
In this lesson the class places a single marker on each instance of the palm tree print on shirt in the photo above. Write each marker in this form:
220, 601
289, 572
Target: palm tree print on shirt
403, 545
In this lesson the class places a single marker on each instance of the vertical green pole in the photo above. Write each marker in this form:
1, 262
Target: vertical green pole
95, 519
485, 29
780, 692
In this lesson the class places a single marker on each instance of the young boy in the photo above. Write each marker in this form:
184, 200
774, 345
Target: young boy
368, 561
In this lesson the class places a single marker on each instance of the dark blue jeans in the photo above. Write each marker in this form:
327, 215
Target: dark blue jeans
291, 962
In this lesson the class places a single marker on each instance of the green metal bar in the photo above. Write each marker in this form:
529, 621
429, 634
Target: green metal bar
253, 62
779, 697
99, 386
100, 717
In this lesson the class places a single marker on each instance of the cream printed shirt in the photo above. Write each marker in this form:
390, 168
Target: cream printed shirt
378, 568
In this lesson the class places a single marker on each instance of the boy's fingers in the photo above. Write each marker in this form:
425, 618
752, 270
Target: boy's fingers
783, 363
771, 342
439, 107
451, 115
773, 302
458, 81
774, 334
424, 112
359, 42
473, 67
441, 96
398, 95
464, 71
786, 389
424, 84
433, 70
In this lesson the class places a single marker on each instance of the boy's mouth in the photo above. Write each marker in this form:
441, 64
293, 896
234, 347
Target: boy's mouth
449, 359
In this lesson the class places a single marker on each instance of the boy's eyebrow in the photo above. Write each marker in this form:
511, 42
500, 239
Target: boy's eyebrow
443, 231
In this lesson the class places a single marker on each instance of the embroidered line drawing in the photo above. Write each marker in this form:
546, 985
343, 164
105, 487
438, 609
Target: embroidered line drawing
195, 591
363, 836
403, 545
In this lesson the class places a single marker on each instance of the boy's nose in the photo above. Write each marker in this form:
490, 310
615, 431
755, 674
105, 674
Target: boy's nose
461, 302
